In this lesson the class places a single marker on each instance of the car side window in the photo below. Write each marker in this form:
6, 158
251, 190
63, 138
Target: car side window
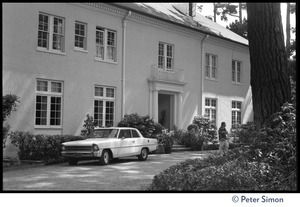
125, 133
135, 134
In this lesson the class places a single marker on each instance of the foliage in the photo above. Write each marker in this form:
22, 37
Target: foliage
245, 132
144, 124
40, 147
267, 164
166, 139
9, 104
193, 126
239, 28
225, 9
89, 125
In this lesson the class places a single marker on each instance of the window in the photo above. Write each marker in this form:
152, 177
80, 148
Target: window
236, 71
236, 117
80, 35
211, 109
104, 106
106, 47
211, 66
48, 104
51, 33
165, 56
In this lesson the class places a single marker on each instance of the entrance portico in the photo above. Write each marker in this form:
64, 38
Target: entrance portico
165, 100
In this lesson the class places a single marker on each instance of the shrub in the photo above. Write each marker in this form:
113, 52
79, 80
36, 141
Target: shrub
267, 164
144, 124
40, 147
9, 104
89, 125
166, 139
193, 126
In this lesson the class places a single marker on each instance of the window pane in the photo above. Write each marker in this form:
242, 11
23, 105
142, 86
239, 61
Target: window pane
42, 85
110, 92
55, 111
233, 104
99, 91
43, 29
98, 112
213, 103
239, 105
56, 87
109, 113
80, 35
41, 110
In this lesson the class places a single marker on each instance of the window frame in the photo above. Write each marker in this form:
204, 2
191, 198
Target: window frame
209, 67
84, 42
165, 56
236, 112
49, 94
105, 46
234, 72
211, 107
105, 100
50, 34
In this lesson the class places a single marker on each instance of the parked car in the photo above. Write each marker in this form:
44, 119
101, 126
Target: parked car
105, 144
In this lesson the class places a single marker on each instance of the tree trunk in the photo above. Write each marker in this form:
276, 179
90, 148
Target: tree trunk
269, 73
240, 13
288, 29
215, 13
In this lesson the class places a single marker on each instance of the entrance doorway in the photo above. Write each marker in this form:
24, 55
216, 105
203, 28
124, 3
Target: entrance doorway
166, 110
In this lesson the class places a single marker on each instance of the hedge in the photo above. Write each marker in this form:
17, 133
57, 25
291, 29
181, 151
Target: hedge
46, 148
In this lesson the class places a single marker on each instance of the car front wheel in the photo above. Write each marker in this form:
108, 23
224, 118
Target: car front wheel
144, 154
105, 157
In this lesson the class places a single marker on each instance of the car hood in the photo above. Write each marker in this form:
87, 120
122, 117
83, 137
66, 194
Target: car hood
87, 142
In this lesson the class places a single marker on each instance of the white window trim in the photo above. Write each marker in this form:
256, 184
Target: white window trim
164, 68
80, 49
105, 45
105, 99
49, 94
210, 107
210, 67
50, 40
236, 110
235, 72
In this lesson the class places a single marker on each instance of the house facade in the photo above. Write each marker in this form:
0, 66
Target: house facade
67, 60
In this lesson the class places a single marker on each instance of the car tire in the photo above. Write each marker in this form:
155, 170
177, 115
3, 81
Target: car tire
72, 161
105, 157
144, 154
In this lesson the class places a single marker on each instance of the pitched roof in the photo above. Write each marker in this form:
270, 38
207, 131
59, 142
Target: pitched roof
167, 12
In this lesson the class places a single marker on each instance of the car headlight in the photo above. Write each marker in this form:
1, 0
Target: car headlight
63, 147
95, 147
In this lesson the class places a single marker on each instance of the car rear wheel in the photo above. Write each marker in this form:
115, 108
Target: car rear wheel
144, 154
105, 157
72, 161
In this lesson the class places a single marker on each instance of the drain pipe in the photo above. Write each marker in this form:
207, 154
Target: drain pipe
124, 21
202, 71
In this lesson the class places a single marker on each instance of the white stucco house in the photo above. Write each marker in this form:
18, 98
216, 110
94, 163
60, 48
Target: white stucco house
66, 60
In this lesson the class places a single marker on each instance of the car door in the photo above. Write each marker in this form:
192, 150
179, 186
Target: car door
127, 143
138, 141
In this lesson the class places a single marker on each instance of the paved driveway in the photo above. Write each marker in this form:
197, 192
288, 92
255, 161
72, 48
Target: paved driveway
125, 174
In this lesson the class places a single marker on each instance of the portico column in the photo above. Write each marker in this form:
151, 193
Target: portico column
155, 105
179, 110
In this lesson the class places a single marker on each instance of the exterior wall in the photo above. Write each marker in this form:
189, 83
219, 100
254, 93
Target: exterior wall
79, 71
223, 89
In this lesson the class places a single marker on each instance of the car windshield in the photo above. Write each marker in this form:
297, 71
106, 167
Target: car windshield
104, 133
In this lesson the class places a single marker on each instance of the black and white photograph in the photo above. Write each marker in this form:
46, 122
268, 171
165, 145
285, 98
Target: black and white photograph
151, 97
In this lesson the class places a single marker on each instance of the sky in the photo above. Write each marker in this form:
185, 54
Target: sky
207, 10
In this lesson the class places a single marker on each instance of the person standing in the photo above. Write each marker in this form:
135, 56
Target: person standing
224, 145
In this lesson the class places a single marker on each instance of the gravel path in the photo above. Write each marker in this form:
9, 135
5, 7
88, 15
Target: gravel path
126, 174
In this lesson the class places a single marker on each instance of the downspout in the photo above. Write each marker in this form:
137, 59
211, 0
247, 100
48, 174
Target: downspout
202, 72
124, 21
